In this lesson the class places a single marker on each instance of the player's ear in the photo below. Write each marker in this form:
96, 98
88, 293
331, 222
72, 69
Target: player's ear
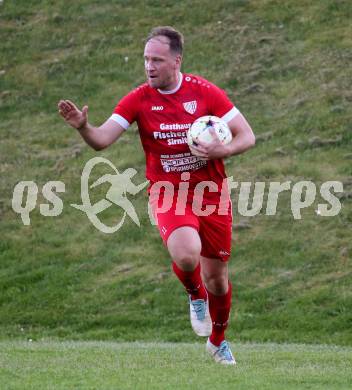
178, 60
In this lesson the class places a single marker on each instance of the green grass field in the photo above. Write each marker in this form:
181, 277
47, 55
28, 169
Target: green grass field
287, 66
122, 366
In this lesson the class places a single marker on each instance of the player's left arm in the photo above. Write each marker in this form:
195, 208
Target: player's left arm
243, 139
243, 136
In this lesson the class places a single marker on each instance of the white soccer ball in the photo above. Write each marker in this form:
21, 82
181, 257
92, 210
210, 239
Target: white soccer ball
199, 131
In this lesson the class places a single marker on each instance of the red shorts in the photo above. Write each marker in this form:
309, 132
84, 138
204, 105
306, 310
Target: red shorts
215, 231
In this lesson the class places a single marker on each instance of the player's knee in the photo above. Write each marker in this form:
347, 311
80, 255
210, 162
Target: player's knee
216, 284
186, 258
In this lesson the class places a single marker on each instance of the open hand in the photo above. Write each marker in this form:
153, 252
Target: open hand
72, 115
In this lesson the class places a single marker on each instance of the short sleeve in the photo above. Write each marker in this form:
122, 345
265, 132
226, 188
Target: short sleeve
220, 105
126, 110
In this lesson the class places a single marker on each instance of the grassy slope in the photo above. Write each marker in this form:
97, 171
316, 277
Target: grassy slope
97, 365
287, 68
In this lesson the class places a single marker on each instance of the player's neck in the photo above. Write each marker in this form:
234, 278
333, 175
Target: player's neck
174, 87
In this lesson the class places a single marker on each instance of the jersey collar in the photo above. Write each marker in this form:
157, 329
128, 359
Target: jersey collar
178, 86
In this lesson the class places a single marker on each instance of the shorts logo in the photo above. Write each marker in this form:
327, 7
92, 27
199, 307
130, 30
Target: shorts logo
190, 107
157, 108
224, 253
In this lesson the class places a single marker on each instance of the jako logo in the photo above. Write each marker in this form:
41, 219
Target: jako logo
157, 108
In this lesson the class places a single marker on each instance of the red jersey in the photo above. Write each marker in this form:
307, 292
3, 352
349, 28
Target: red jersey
163, 119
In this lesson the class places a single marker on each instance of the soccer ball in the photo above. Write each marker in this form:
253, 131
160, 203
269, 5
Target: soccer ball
199, 130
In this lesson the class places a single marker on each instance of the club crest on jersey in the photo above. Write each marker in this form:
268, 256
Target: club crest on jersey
190, 107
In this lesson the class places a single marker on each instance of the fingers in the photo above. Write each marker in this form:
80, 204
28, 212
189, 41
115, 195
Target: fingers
65, 106
213, 133
199, 152
62, 110
71, 105
210, 150
85, 112
202, 146
62, 114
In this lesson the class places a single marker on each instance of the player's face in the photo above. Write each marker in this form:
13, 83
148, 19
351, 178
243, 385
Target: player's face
161, 65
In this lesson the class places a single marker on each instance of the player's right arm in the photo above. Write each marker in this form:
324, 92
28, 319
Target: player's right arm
97, 137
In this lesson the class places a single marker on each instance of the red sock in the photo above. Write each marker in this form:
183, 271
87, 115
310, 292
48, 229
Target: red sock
192, 281
219, 308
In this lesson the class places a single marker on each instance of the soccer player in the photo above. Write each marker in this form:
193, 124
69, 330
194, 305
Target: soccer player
164, 108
